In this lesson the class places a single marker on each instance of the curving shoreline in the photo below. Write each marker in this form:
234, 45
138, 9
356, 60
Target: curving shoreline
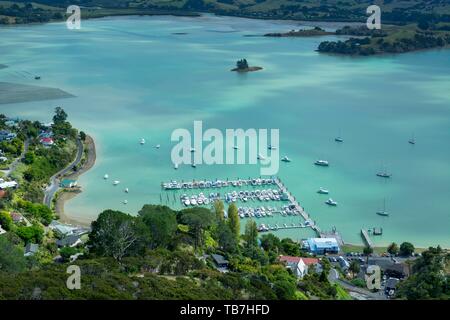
66, 195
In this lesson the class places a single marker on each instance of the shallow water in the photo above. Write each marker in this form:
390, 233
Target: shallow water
134, 78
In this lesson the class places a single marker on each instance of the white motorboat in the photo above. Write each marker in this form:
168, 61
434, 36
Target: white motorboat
116, 182
142, 141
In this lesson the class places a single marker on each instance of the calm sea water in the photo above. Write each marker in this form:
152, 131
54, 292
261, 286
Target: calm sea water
135, 78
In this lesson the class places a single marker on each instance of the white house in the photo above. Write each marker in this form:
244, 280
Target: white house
299, 265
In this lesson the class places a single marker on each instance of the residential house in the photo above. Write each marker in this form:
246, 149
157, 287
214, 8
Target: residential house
31, 249
7, 135
220, 261
7, 184
300, 265
69, 241
16, 217
47, 142
66, 229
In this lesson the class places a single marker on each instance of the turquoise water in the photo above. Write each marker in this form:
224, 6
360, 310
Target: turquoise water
135, 79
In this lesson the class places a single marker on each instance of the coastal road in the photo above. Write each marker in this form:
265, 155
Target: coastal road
49, 193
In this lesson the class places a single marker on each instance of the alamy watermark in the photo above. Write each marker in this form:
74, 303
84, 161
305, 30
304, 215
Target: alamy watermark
374, 20
237, 147
373, 277
74, 20
74, 280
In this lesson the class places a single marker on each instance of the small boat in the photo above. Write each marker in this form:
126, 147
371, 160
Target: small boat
142, 141
384, 174
193, 165
125, 201
235, 147
105, 176
192, 149
383, 212
412, 140
175, 166
338, 139
331, 202
37, 78
158, 146
285, 159
116, 182
271, 147
126, 190
261, 157
323, 163
323, 191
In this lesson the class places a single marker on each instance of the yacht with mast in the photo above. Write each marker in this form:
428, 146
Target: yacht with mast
383, 212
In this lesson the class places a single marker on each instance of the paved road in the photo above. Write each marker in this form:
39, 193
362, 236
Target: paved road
54, 181
14, 164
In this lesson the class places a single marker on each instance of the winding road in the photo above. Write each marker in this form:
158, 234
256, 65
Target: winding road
49, 193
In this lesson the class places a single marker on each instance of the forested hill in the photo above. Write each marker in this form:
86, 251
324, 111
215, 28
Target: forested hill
393, 11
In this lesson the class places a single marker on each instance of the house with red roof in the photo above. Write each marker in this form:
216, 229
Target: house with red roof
300, 265
47, 141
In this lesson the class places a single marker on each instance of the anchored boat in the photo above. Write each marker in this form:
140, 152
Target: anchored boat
383, 212
331, 202
285, 159
323, 191
323, 163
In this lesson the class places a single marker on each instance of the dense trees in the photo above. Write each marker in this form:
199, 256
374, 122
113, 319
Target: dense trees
219, 209
233, 220
31, 234
161, 222
406, 249
198, 220
114, 234
430, 278
393, 248
5, 220
11, 257
251, 234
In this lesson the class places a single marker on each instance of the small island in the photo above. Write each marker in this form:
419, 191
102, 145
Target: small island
242, 66
317, 31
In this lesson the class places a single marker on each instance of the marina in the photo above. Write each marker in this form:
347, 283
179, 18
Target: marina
254, 197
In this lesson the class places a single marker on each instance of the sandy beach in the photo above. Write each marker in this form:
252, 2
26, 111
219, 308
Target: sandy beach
64, 196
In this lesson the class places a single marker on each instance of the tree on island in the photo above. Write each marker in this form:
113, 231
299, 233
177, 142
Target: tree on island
242, 64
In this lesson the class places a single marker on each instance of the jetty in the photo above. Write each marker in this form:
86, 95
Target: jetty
298, 207
366, 238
